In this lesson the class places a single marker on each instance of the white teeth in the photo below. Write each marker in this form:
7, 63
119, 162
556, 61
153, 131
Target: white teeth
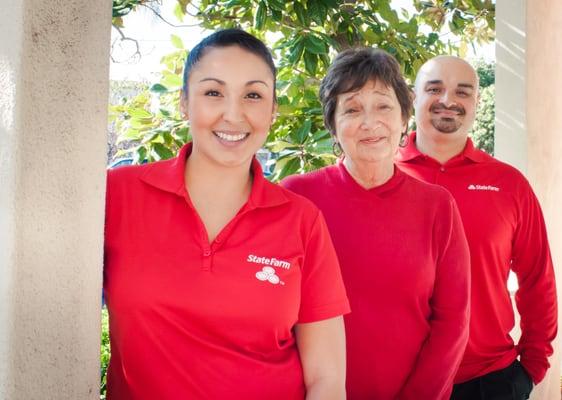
230, 137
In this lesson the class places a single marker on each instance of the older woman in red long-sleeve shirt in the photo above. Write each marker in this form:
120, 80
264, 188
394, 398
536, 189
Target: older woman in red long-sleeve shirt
400, 242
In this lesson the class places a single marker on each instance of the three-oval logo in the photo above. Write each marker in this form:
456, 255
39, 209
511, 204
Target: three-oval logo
268, 274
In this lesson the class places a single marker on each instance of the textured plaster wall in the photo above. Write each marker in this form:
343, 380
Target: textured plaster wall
528, 120
54, 58
544, 122
511, 134
10, 64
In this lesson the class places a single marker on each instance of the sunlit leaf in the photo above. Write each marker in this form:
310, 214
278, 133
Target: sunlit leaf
176, 41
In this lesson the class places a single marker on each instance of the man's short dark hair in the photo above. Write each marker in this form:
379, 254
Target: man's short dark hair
352, 69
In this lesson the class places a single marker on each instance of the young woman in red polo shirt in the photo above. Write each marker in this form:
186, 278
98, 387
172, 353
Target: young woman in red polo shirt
219, 284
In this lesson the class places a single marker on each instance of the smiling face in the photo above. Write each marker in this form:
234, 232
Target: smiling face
230, 105
446, 98
368, 124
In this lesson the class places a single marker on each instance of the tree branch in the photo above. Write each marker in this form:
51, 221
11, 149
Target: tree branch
124, 38
165, 20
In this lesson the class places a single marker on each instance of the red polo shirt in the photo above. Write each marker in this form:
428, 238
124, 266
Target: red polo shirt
191, 319
405, 264
505, 230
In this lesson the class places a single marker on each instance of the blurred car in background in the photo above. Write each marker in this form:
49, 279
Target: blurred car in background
262, 155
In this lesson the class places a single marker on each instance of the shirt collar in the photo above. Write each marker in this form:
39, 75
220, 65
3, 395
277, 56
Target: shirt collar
169, 175
394, 182
410, 151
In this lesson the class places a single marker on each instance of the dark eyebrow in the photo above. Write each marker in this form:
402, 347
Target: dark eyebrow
256, 81
213, 79
351, 97
221, 82
440, 82
382, 93
434, 82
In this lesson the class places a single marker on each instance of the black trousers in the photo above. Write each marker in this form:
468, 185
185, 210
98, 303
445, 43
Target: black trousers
510, 383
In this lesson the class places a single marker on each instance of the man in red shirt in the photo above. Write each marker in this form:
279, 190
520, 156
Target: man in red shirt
505, 231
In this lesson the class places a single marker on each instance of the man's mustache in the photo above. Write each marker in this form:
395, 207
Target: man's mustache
441, 106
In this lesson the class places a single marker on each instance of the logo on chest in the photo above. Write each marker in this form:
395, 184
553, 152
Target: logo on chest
268, 273
489, 188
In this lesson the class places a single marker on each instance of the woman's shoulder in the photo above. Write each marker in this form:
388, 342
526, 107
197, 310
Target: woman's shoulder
295, 202
133, 181
130, 173
425, 190
126, 172
310, 181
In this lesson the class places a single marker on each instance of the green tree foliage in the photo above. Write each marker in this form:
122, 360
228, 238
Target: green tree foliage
105, 352
486, 73
304, 36
484, 125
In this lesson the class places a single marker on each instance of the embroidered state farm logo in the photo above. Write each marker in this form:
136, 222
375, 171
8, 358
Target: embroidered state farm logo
269, 261
484, 187
268, 274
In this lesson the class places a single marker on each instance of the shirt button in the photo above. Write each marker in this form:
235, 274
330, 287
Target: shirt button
217, 239
207, 253
442, 169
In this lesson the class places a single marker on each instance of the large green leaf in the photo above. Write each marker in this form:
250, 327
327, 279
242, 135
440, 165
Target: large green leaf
315, 45
261, 15
301, 134
161, 152
310, 62
301, 13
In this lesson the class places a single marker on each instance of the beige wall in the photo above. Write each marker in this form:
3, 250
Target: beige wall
544, 124
9, 112
511, 131
54, 58
529, 118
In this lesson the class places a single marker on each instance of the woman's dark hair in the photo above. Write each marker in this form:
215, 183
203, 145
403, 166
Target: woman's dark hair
352, 69
226, 38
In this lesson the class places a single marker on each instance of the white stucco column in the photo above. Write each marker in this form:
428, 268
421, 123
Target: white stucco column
544, 121
54, 67
529, 39
510, 141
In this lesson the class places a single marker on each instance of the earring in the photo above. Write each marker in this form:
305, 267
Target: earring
336, 149
404, 139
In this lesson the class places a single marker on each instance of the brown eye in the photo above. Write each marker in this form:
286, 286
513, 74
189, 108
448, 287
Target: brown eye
254, 96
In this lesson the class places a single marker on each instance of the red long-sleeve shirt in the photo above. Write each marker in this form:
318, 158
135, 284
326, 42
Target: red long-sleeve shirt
505, 230
405, 264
